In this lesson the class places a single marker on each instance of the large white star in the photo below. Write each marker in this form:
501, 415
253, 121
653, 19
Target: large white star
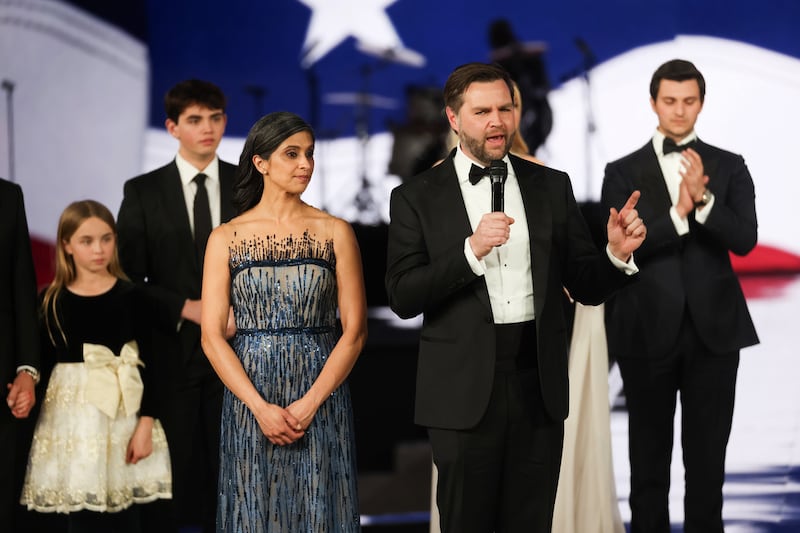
333, 21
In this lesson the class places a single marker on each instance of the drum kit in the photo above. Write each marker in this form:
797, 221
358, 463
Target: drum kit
421, 102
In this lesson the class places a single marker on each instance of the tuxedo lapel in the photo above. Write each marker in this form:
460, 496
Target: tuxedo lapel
175, 211
710, 159
651, 179
538, 213
446, 196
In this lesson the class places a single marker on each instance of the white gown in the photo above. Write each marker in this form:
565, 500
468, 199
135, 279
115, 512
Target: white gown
586, 500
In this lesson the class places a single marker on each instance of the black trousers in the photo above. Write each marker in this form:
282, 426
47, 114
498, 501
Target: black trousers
191, 411
501, 475
706, 382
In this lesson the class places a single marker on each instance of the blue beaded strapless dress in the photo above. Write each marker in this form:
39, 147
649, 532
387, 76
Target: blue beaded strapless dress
284, 298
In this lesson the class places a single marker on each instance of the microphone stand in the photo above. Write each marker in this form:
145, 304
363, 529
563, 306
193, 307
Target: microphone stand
587, 65
257, 92
8, 87
365, 203
314, 100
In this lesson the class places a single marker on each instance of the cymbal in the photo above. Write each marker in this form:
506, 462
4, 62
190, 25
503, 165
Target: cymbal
395, 54
362, 99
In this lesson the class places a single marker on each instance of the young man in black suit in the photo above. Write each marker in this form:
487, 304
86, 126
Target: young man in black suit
680, 329
163, 225
492, 367
19, 346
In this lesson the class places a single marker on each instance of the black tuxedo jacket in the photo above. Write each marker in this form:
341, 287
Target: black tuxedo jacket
683, 274
19, 329
428, 273
156, 248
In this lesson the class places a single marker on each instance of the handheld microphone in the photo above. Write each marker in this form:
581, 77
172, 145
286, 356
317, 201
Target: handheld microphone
497, 175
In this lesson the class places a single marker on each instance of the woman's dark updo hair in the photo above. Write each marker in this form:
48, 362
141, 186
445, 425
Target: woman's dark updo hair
264, 138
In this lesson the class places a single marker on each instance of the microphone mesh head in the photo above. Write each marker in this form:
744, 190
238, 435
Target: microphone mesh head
498, 170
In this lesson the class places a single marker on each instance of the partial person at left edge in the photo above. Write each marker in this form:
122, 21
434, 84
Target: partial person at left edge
164, 221
19, 346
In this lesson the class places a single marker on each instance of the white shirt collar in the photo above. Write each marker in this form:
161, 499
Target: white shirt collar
658, 141
463, 163
188, 171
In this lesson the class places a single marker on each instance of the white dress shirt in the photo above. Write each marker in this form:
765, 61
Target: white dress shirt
187, 172
507, 268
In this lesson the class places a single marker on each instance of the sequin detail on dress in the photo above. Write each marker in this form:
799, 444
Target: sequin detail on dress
284, 297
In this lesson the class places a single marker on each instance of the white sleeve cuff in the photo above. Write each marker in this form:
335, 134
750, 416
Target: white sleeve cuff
475, 264
628, 268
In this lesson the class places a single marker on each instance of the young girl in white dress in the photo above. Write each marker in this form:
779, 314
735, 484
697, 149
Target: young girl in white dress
97, 447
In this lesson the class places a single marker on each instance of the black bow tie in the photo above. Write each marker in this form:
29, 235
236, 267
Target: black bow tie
476, 173
670, 146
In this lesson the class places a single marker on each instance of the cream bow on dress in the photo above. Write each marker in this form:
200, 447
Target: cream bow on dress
113, 378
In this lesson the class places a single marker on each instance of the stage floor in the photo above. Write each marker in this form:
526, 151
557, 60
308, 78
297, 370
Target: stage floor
762, 488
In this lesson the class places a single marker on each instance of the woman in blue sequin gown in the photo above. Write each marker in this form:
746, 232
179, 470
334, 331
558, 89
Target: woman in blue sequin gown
284, 268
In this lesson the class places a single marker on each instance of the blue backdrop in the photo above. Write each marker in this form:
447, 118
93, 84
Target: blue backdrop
250, 47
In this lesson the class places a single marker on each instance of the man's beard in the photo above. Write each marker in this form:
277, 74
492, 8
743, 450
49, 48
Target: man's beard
477, 147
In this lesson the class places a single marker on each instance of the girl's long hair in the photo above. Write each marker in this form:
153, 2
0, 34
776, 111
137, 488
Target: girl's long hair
71, 218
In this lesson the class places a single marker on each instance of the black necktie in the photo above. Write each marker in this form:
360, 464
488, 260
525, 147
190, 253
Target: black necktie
476, 173
670, 146
202, 216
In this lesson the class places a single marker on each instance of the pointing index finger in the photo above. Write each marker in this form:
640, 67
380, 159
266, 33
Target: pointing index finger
632, 200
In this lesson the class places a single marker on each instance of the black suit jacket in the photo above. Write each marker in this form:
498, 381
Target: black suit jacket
19, 344
683, 274
156, 248
428, 273
19, 330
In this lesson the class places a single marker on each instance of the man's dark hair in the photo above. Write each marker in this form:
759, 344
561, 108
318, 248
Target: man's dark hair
677, 70
193, 92
463, 76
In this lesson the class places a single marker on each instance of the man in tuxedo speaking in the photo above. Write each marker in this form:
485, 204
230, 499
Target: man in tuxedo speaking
492, 365
681, 327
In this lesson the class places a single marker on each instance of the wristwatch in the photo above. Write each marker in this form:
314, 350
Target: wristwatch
705, 199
